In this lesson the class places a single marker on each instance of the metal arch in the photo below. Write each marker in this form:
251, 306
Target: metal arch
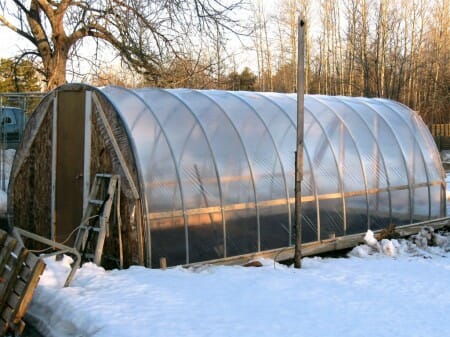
427, 134
173, 158
336, 163
357, 149
343, 101
421, 153
436, 153
364, 102
308, 157
199, 123
279, 159
98, 105
341, 185
211, 99
161, 132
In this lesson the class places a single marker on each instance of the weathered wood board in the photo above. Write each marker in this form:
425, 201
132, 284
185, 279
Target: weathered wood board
19, 275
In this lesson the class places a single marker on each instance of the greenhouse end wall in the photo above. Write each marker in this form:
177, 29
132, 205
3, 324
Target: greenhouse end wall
217, 168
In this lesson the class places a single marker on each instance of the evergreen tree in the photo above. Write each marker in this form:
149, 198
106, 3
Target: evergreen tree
18, 76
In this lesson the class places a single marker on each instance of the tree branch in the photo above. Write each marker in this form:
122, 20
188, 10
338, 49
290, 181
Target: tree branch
8, 24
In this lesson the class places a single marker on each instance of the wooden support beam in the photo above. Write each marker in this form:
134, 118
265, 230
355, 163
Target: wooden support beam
319, 247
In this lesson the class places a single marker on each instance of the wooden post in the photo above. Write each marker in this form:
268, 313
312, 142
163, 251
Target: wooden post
299, 150
162, 263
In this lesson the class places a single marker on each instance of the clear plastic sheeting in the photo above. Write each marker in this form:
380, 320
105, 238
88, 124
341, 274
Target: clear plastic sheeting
218, 168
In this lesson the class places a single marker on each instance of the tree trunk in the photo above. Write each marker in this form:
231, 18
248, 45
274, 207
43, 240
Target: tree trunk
56, 70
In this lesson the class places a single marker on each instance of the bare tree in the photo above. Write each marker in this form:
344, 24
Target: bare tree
144, 33
263, 46
438, 59
286, 78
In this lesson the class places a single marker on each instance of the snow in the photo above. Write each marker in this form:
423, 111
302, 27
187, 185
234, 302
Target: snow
7, 156
382, 288
401, 290
447, 180
445, 156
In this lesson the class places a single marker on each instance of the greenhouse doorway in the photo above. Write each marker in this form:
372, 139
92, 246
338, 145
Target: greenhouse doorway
68, 163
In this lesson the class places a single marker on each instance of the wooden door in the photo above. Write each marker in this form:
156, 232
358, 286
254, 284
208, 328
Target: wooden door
70, 128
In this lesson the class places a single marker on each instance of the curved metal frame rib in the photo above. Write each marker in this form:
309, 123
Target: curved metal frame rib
401, 116
250, 167
401, 151
343, 101
177, 172
340, 178
357, 150
308, 158
277, 154
213, 156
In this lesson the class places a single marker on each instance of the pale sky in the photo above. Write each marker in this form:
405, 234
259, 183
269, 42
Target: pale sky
10, 42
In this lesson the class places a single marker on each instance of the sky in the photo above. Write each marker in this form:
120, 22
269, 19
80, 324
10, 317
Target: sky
10, 42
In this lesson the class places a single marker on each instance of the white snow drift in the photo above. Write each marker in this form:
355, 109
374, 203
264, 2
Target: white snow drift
396, 289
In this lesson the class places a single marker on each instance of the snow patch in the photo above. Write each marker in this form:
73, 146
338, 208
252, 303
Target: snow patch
8, 157
422, 243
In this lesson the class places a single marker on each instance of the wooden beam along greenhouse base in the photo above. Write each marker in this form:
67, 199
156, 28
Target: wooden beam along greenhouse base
319, 247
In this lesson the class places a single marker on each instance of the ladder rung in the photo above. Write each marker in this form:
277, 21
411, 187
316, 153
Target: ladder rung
105, 186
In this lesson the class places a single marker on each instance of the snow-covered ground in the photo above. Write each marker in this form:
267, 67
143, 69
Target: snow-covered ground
366, 294
382, 289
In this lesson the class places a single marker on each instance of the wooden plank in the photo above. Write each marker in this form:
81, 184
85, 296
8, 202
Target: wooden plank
12, 275
3, 236
20, 271
31, 260
6, 253
7, 314
29, 264
27, 295
19, 327
4, 326
20, 286
318, 247
13, 299
25, 273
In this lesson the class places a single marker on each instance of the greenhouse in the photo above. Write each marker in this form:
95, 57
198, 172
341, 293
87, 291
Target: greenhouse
208, 174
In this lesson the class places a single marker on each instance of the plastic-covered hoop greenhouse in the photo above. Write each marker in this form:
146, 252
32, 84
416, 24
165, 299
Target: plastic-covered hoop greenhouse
210, 174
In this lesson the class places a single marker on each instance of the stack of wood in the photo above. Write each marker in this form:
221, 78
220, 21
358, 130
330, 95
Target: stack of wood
19, 275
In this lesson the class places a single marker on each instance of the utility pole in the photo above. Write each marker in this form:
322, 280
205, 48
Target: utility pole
299, 151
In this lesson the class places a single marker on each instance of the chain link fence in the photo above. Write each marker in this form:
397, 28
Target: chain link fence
15, 109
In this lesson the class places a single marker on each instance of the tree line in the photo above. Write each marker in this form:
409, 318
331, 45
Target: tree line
380, 48
375, 48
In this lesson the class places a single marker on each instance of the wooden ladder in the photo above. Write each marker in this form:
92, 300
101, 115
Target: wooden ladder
94, 227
